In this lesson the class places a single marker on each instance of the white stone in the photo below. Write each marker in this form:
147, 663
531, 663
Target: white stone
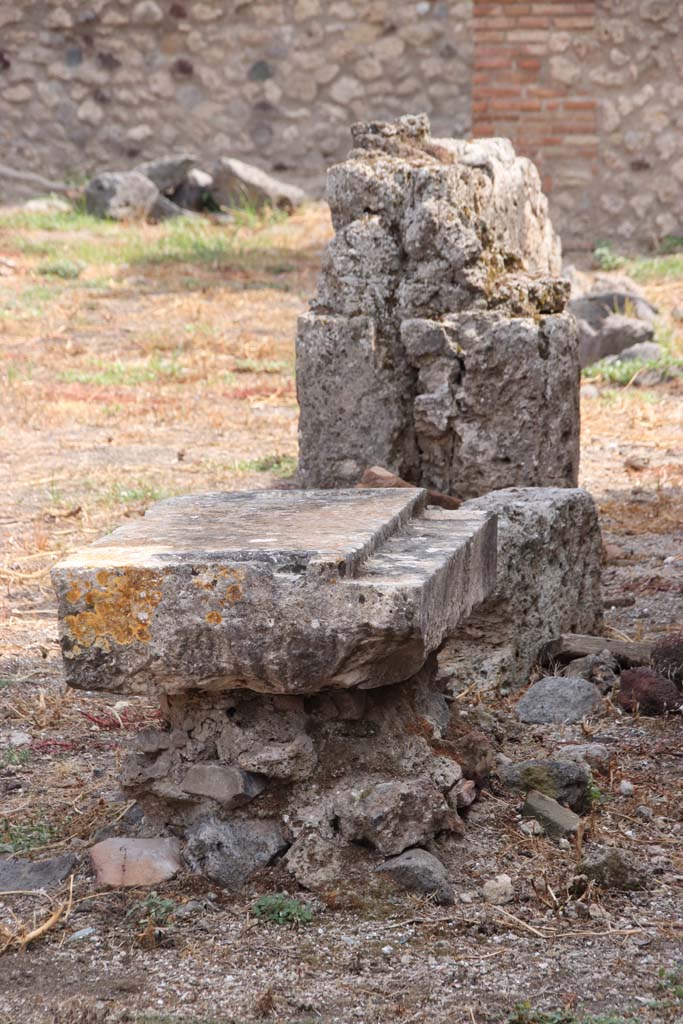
498, 890
147, 12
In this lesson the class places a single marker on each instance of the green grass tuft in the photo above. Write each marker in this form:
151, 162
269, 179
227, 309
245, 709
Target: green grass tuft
66, 269
278, 908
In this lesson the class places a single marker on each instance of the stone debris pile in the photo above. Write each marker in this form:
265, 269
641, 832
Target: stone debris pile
437, 345
291, 638
174, 185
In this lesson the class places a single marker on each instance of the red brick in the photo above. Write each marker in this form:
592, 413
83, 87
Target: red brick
532, 63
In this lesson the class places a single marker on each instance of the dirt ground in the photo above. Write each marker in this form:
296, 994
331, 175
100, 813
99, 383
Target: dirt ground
137, 363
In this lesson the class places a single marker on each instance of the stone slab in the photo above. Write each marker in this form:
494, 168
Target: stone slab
273, 591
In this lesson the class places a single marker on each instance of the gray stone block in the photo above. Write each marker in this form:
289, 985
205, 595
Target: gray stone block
556, 819
124, 195
238, 184
559, 699
548, 583
280, 592
421, 871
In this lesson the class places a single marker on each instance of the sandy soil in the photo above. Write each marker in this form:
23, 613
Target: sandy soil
137, 381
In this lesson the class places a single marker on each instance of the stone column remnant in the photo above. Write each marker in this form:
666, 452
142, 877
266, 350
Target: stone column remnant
437, 345
291, 638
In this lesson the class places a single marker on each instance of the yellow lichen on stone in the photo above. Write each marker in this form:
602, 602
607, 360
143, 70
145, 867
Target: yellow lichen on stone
118, 608
212, 579
214, 618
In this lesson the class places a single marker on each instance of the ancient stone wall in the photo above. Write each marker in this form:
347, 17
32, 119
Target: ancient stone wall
591, 91
104, 84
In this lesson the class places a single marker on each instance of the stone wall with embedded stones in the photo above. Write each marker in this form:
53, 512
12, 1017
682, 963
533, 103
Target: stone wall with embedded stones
88, 85
592, 91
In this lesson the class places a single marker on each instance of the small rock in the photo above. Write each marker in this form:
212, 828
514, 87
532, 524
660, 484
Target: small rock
226, 784
644, 812
531, 828
612, 868
168, 172
391, 816
648, 692
564, 843
602, 669
626, 788
125, 862
555, 819
387, 950
164, 208
194, 193
498, 890
34, 875
647, 351
475, 754
229, 852
238, 184
83, 933
566, 781
17, 738
595, 755
463, 794
188, 909
124, 195
48, 204
636, 462
667, 656
422, 871
556, 699
314, 861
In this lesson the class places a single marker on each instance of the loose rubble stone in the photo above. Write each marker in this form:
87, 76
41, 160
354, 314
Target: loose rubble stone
126, 862
34, 875
474, 752
422, 871
667, 656
648, 692
548, 583
463, 794
438, 290
314, 861
391, 816
194, 192
283, 591
612, 868
601, 669
229, 852
124, 195
164, 208
626, 788
168, 172
238, 184
559, 699
555, 819
595, 755
564, 781
499, 890
647, 351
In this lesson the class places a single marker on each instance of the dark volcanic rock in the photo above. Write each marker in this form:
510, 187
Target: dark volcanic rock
667, 656
647, 691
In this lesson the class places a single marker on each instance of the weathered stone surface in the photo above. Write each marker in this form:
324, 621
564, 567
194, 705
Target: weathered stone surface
168, 172
314, 861
647, 351
422, 871
602, 669
33, 875
229, 786
595, 755
556, 819
612, 868
438, 291
565, 781
498, 890
281, 591
463, 794
124, 862
391, 816
194, 192
238, 184
548, 583
121, 196
559, 699
229, 852
164, 208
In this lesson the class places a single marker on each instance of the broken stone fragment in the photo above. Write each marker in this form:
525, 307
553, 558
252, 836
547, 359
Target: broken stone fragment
463, 794
126, 862
167, 172
391, 816
498, 890
595, 755
236, 183
559, 699
33, 875
226, 784
555, 819
565, 781
601, 669
421, 871
290, 592
229, 852
612, 868
294, 760
314, 861
125, 195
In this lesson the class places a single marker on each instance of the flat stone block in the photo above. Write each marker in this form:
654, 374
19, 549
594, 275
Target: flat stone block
273, 591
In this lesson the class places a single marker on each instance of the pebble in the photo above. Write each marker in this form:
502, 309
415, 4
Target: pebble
17, 738
626, 788
644, 812
387, 950
84, 933
498, 890
564, 844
